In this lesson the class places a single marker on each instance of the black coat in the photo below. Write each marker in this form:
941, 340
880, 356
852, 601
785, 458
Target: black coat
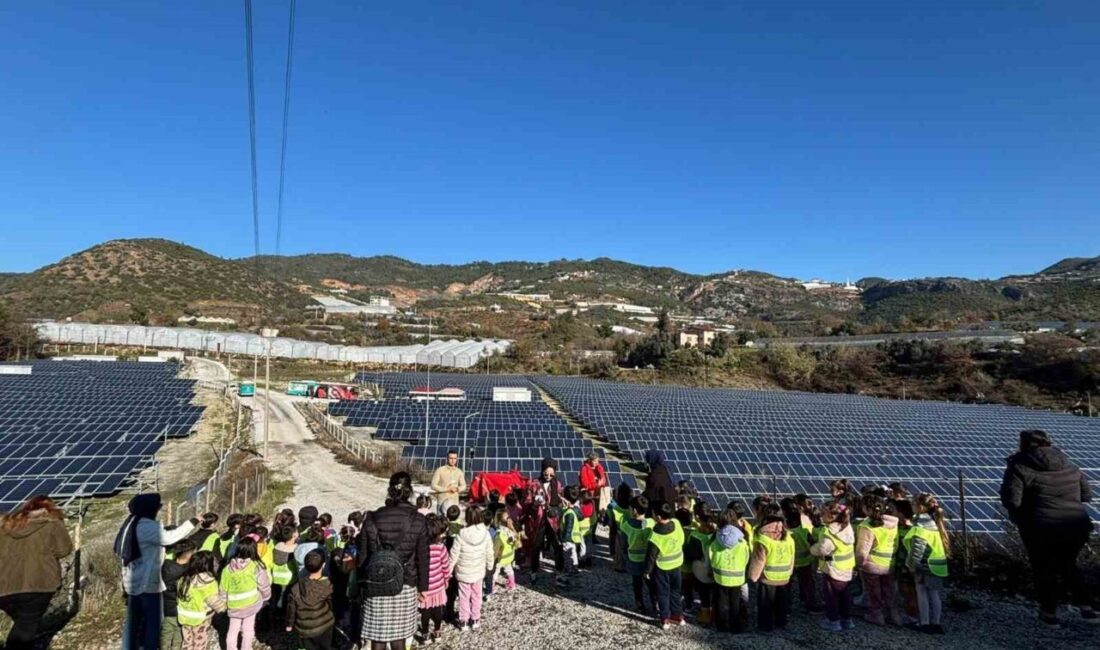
384, 527
1042, 489
170, 573
658, 486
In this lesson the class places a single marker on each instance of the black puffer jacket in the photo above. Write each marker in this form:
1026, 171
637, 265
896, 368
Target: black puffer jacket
309, 608
384, 526
1042, 488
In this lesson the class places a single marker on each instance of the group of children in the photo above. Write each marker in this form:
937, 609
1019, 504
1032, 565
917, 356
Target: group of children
881, 543
299, 574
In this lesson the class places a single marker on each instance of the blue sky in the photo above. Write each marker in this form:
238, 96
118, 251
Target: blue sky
834, 139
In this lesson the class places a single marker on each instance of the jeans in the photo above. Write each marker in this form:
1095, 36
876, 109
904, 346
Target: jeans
1053, 555
143, 614
469, 602
838, 599
651, 586
928, 601
670, 604
727, 609
772, 606
26, 611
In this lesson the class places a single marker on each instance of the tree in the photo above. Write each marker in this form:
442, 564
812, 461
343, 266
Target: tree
17, 339
664, 326
605, 330
720, 345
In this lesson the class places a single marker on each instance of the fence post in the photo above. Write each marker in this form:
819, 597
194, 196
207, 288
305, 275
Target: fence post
208, 495
233, 498
962, 515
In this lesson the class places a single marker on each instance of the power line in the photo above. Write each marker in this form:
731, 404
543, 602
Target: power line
252, 127
286, 113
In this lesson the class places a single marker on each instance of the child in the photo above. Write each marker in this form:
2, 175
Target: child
342, 574
687, 578
424, 504
834, 543
570, 533
907, 586
634, 540
433, 602
664, 558
514, 507
312, 538
587, 508
799, 527
454, 527
504, 547
876, 541
284, 568
471, 558
206, 538
617, 511
309, 607
686, 491
198, 599
729, 557
331, 539
245, 586
926, 546
227, 539
171, 638
697, 554
771, 567
494, 505
454, 524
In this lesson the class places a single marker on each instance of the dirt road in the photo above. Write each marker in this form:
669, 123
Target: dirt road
319, 478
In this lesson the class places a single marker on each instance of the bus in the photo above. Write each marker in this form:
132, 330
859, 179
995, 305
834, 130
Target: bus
246, 389
301, 387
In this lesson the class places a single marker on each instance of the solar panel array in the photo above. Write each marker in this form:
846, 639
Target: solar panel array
502, 435
736, 444
87, 427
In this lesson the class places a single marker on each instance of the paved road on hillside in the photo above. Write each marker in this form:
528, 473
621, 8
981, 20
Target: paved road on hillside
319, 478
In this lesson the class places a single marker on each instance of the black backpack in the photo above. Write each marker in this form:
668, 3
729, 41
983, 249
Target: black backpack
385, 572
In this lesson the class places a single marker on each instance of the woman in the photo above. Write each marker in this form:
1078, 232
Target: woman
32, 541
389, 620
139, 545
658, 485
542, 501
1044, 494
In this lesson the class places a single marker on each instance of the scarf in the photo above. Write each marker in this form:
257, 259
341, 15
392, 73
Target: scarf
142, 506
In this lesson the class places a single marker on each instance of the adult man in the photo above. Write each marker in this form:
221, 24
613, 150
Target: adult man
447, 482
1044, 494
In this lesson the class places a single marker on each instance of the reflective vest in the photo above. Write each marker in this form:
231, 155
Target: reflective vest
615, 513
223, 546
585, 524
454, 528
778, 558
750, 531
728, 564
209, 543
575, 535
267, 556
241, 587
282, 574
844, 555
507, 542
670, 547
637, 537
802, 557
884, 547
704, 543
192, 610
937, 557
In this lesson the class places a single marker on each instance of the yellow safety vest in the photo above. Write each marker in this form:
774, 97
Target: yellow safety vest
778, 558
585, 524
575, 535
241, 587
267, 556
884, 547
636, 533
507, 545
750, 531
192, 610
616, 513
282, 574
728, 564
802, 557
844, 555
209, 543
937, 557
670, 547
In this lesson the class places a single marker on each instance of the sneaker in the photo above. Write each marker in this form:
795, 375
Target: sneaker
465, 628
488, 597
435, 636
832, 626
476, 625
848, 624
665, 624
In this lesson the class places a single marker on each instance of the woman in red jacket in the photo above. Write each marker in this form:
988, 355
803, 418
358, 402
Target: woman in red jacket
593, 479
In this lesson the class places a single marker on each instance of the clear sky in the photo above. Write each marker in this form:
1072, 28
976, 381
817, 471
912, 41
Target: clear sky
834, 139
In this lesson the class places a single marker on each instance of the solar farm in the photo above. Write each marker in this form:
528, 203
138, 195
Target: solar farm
87, 428
732, 444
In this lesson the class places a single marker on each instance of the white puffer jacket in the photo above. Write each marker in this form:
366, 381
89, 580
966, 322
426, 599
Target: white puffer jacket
472, 554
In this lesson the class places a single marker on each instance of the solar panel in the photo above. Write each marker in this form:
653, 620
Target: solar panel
84, 428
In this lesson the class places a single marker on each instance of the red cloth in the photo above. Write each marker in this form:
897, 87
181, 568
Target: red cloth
588, 508
593, 478
502, 482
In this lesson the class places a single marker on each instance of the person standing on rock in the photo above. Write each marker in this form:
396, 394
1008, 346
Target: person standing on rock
1044, 494
32, 541
397, 528
448, 482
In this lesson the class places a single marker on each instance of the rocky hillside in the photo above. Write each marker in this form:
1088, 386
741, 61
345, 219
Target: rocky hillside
158, 281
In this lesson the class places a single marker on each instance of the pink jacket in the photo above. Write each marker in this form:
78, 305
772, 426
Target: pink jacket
824, 547
759, 558
865, 541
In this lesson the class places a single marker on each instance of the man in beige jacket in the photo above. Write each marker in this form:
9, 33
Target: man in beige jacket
448, 482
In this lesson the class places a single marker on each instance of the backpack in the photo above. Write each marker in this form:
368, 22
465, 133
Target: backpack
385, 572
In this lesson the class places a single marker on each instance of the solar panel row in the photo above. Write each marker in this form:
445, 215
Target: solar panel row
85, 428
